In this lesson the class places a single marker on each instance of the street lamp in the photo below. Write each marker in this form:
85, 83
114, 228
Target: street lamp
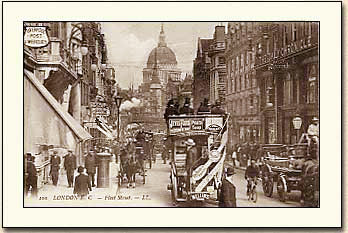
297, 122
118, 101
103, 66
84, 48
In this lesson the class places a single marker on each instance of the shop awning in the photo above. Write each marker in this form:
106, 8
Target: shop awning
75, 127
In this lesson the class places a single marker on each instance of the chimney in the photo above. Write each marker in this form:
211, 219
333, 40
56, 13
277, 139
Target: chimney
220, 33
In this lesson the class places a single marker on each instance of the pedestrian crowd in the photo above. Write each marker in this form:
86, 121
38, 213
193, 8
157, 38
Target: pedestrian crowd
246, 152
82, 183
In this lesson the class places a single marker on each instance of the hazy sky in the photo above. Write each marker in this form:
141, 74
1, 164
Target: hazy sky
129, 45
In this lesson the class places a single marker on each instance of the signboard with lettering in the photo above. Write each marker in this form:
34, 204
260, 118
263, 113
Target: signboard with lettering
194, 124
100, 109
213, 123
36, 36
179, 125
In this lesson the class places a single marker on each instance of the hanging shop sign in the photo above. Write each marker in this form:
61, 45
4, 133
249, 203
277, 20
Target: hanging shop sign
100, 109
36, 36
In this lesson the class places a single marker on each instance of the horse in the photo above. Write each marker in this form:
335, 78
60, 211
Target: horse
131, 169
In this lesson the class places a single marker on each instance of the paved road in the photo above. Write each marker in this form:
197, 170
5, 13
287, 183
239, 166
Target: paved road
154, 193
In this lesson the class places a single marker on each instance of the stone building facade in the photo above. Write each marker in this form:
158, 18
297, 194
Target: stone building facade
242, 91
209, 69
201, 73
217, 71
287, 67
70, 84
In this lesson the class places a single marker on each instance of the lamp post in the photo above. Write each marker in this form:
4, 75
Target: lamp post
297, 123
118, 100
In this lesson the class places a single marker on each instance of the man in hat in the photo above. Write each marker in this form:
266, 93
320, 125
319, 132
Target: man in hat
204, 107
228, 190
313, 133
70, 166
32, 176
55, 166
217, 109
82, 184
191, 157
90, 164
251, 172
186, 109
313, 129
170, 109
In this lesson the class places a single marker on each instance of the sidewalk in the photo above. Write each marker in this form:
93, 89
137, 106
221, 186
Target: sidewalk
229, 163
61, 195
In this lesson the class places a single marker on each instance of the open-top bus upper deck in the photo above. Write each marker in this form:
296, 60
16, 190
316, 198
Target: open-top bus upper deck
190, 125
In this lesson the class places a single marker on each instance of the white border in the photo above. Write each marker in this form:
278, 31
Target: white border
329, 213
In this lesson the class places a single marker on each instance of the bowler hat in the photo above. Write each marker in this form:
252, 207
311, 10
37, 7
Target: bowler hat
230, 171
80, 169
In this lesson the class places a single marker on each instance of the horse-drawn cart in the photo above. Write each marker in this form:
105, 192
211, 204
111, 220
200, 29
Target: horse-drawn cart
131, 165
290, 168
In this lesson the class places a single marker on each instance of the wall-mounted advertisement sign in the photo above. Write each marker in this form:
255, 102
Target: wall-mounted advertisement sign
186, 124
36, 36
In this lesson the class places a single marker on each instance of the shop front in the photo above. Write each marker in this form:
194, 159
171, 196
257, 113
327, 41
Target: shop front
48, 127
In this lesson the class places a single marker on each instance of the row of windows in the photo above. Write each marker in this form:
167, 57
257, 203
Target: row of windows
294, 89
239, 62
241, 82
284, 32
245, 106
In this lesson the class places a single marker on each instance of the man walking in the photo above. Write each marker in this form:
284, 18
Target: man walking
55, 166
70, 166
228, 191
82, 184
32, 176
191, 157
90, 164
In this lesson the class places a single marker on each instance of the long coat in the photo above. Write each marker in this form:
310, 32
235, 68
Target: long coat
70, 162
55, 164
191, 157
90, 164
82, 185
228, 194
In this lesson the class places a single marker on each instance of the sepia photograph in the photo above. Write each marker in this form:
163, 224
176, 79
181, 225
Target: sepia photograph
171, 114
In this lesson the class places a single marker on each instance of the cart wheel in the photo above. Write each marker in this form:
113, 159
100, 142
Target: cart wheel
282, 188
254, 195
143, 173
309, 191
119, 180
267, 185
174, 189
